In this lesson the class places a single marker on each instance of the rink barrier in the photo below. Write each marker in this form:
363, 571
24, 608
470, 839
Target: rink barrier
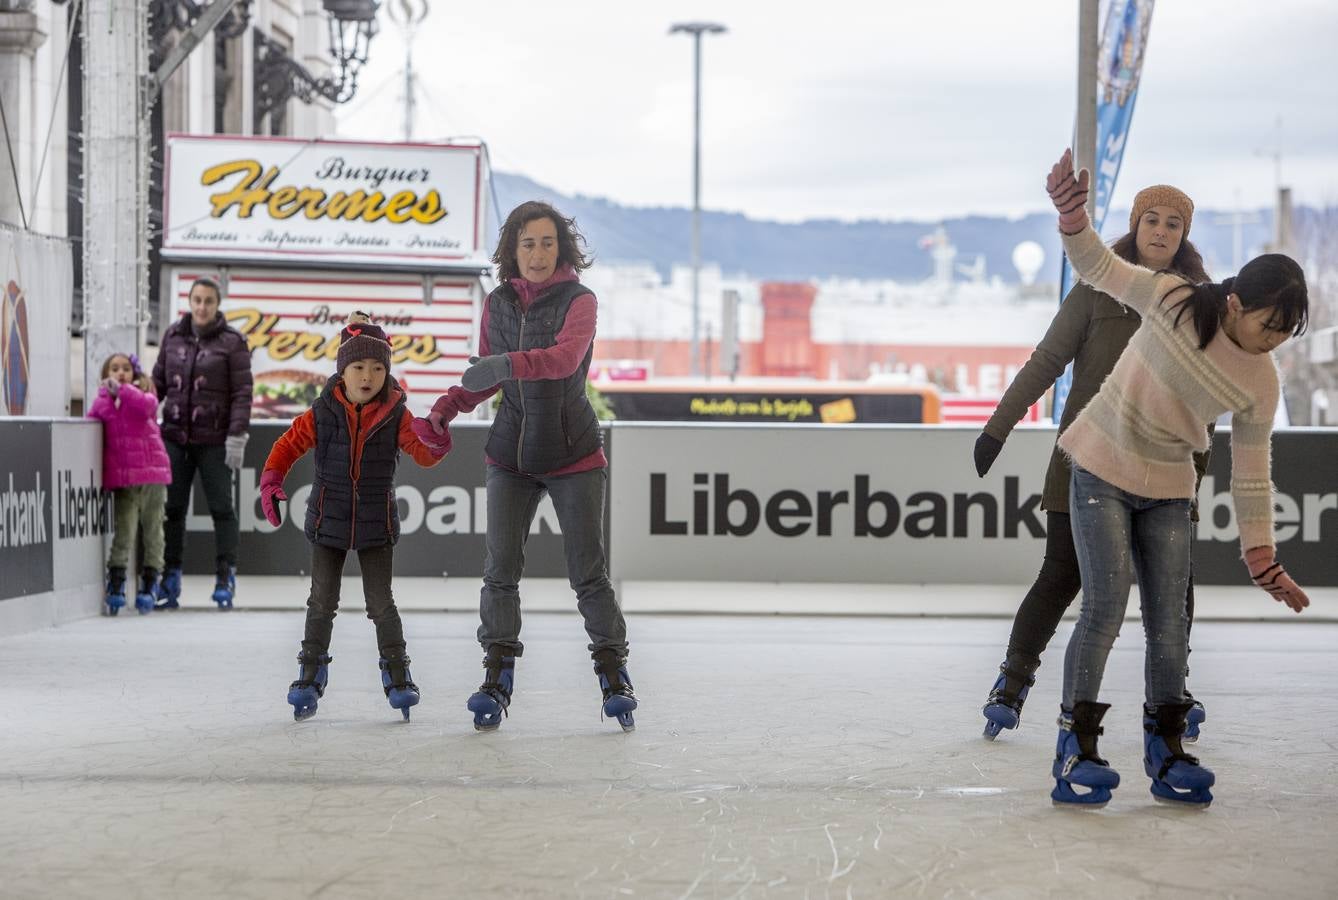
442, 510
902, 504
54, 515
747, 503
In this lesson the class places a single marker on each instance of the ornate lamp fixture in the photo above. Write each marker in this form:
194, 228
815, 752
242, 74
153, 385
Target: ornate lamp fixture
279, 77
352, 27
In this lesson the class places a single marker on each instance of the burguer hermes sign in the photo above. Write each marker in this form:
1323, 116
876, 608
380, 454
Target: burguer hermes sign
258, 198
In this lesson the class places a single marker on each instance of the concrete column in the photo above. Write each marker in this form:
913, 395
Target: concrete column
21, 33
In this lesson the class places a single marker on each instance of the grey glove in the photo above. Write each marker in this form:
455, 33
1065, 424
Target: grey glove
234, 446
486, 372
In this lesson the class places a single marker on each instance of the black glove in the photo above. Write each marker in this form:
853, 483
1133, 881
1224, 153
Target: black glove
987, 451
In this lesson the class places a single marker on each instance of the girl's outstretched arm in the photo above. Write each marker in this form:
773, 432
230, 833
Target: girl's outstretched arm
1134, 286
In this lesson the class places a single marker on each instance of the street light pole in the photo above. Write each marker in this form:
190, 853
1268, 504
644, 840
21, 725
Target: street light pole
696, 29
408, 16
1084, 132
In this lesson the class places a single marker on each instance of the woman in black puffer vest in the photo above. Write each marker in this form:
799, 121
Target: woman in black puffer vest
536, 337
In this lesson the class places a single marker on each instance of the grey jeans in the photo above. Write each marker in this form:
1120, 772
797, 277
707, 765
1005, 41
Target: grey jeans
578, 499
1121, 536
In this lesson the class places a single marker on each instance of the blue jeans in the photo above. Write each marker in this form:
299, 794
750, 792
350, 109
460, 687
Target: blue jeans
1120, 536
578, 500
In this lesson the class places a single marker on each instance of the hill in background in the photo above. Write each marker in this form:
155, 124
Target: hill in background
823, 248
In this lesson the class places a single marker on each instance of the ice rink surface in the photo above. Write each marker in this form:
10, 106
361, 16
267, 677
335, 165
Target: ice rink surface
774, 757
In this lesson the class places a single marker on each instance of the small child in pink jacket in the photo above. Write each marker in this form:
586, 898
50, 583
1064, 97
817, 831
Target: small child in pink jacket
136, 468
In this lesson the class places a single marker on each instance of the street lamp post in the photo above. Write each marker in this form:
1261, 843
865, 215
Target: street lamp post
696, 29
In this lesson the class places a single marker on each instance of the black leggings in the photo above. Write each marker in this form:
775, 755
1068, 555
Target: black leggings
1050, 596
209, 461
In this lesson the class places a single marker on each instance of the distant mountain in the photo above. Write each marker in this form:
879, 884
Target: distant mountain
822, 248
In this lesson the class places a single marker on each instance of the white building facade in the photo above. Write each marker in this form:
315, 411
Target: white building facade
269, 67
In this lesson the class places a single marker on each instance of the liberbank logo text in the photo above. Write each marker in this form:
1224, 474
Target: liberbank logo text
717, 509
712, 506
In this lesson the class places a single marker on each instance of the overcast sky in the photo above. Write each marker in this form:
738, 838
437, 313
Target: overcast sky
848, 109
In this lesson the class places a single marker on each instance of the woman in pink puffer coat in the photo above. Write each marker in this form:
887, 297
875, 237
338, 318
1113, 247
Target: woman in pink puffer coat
135, 466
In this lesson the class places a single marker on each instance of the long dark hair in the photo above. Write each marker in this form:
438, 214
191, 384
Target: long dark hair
1274, 281
571, 243
1187, 260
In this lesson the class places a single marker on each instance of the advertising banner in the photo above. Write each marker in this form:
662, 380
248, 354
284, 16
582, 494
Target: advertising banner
36, 285
1305, 510
325, 202
734, 403
801, 503
1124, 38
292, 319
903, 505
443, 516
83, 513
26, 533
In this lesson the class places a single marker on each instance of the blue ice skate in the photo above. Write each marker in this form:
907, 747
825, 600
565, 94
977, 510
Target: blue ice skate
398, 684
489, 703
115, 596
1177, 777
312, 676
148, 590
1196, 716
225, 586
1003, 709
1076, 761
619, 701
169, 590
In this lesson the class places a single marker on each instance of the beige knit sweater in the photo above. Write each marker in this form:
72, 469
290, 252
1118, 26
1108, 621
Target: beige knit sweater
1142, 428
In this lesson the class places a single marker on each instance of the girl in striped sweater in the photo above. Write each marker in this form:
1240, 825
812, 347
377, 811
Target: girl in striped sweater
1203, 350
1090, 330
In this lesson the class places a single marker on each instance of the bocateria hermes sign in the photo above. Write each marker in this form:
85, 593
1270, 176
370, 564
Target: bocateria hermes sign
257, 198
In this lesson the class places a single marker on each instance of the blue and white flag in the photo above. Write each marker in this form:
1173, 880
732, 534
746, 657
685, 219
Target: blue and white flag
1120, 62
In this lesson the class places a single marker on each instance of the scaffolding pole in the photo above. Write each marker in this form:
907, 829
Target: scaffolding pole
115, 189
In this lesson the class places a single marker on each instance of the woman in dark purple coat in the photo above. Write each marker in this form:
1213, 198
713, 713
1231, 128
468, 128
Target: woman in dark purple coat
203, 374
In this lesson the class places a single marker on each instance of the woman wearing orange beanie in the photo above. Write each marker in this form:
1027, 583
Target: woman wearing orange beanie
1090, 330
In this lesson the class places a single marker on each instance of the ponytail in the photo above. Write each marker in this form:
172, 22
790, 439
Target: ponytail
1206, 303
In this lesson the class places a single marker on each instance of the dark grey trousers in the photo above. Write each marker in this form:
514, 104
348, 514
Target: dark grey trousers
578, 499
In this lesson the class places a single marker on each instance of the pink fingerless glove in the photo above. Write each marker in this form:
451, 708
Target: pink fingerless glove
1068, 194
438, 442
271, 489
1268, 573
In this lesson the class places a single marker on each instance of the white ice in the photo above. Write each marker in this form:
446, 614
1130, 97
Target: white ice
773, 757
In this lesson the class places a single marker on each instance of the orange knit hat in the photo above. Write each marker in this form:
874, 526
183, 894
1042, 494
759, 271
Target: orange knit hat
1162, 195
